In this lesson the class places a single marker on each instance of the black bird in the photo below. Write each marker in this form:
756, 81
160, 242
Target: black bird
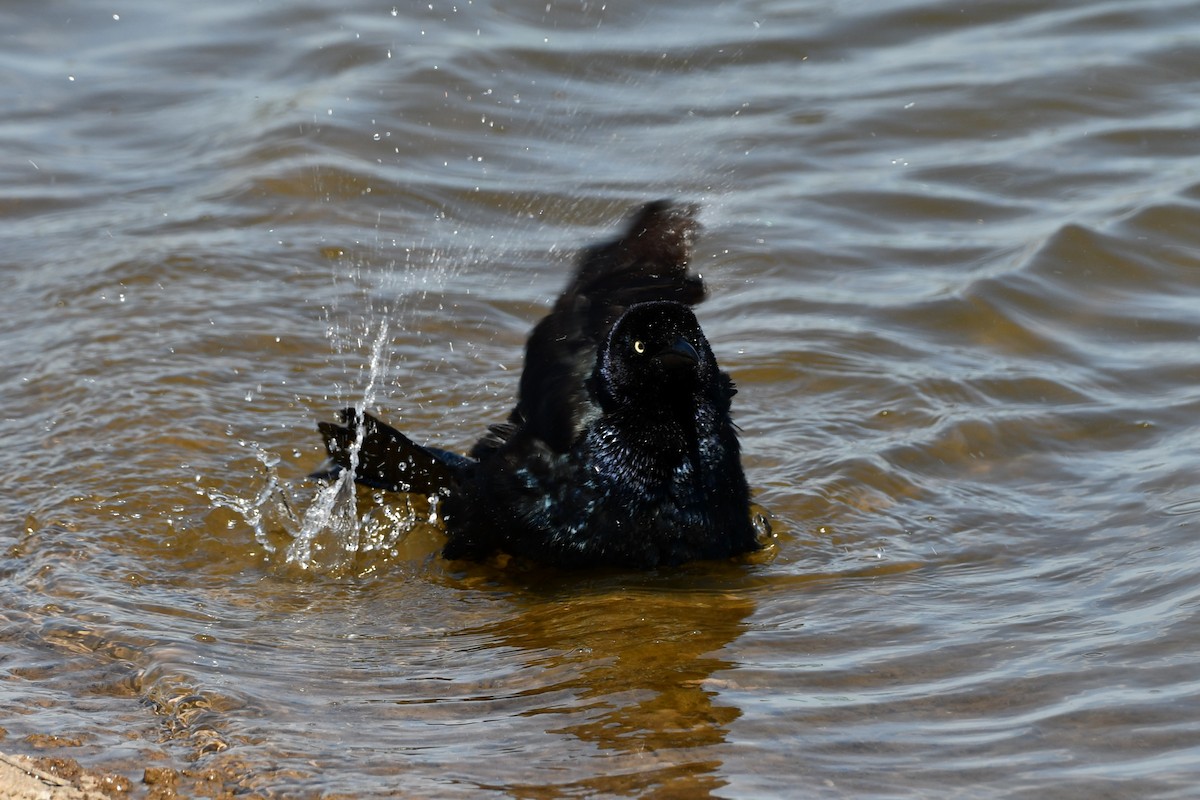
620, 451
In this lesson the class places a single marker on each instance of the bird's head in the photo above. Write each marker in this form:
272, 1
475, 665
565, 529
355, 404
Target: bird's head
655, 354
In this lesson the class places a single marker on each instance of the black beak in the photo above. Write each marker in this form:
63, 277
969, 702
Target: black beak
680, 355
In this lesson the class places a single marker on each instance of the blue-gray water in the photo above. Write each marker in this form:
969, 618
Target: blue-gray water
954, 259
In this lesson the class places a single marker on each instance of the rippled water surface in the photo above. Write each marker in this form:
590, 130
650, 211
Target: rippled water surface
954, 259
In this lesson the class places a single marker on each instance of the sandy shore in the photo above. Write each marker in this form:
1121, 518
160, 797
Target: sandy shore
22, 779
53, 778
58, 778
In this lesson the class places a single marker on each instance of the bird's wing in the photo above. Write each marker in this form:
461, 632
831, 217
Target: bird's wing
387, 459
649, 261
495, 437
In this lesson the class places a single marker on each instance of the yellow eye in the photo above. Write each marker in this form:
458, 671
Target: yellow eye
639, 347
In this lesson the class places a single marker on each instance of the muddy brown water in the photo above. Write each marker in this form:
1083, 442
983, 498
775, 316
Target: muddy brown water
954, 259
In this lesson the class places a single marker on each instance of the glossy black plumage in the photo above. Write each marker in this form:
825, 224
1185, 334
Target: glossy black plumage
620, 450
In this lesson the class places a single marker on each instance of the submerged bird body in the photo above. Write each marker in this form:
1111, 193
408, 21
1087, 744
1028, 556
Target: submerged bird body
620, 451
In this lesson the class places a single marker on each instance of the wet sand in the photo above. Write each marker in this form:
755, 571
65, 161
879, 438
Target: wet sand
56, 778
23, 778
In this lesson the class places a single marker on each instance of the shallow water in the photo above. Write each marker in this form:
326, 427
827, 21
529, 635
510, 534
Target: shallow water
953, 253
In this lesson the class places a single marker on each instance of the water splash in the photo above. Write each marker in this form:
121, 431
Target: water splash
327, 535
330, 534
269, 505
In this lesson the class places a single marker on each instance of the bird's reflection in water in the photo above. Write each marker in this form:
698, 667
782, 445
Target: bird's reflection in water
629, 666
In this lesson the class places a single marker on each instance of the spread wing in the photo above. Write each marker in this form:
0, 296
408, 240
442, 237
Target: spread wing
387, 459
649, 261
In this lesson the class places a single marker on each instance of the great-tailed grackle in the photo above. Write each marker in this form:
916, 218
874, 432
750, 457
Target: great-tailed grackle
620, 450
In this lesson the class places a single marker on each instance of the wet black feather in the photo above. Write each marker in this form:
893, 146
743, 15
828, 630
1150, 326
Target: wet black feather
620, 450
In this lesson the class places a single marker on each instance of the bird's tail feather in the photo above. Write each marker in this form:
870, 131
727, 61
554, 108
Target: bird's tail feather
387, 459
